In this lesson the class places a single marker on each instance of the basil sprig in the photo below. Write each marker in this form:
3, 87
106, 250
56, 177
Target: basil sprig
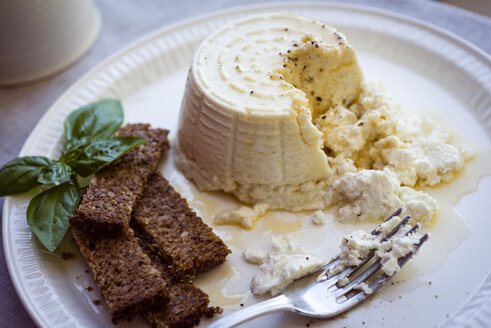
48, 213
89, 146
94, 156
55, 172
21, 174
96, 121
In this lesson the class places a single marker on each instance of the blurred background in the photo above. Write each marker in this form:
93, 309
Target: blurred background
479, 6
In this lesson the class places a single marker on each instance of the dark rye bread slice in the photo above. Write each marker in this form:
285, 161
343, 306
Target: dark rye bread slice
173, 231
186, 302
124, 274
114, 191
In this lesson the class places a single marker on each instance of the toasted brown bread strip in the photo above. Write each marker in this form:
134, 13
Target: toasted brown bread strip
113, 192
170, 228
186, 302
123, 273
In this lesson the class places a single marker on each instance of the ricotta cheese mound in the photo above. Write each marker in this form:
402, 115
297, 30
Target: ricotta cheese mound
280, 266
276, 111
246, 118
358, 244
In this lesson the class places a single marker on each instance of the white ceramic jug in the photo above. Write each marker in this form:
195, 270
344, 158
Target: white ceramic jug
41, 37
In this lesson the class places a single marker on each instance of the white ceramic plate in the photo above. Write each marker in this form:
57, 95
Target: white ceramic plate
422, 66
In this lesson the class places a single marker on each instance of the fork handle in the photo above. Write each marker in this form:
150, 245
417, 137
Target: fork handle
274, 304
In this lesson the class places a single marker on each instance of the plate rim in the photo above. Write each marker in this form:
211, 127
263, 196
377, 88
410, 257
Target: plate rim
166, 29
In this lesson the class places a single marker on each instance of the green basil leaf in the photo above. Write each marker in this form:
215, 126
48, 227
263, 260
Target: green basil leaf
95, 121
74, 145
100, 153
48, 213
55, 172
21, 174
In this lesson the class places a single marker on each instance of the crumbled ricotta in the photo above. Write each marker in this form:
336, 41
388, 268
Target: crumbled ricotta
245, 216
363, 286
373, 195
343, 281
318, 218
254, 256
357, 245
373, 133
279, 267
420, 152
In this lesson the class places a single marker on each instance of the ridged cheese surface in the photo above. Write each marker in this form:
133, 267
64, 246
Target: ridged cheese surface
252, 91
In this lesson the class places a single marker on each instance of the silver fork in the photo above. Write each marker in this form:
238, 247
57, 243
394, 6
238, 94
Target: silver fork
320, 296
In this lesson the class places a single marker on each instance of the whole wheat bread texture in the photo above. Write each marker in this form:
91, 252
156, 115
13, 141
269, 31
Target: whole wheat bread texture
114, 191
171, 229
124, 274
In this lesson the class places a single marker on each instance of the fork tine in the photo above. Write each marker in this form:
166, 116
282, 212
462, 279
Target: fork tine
377, 230
377, 265
397, 228
350, 270
346, 272
413, 229
323, 277
406, 258
323, 272
382, 278
361, 278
